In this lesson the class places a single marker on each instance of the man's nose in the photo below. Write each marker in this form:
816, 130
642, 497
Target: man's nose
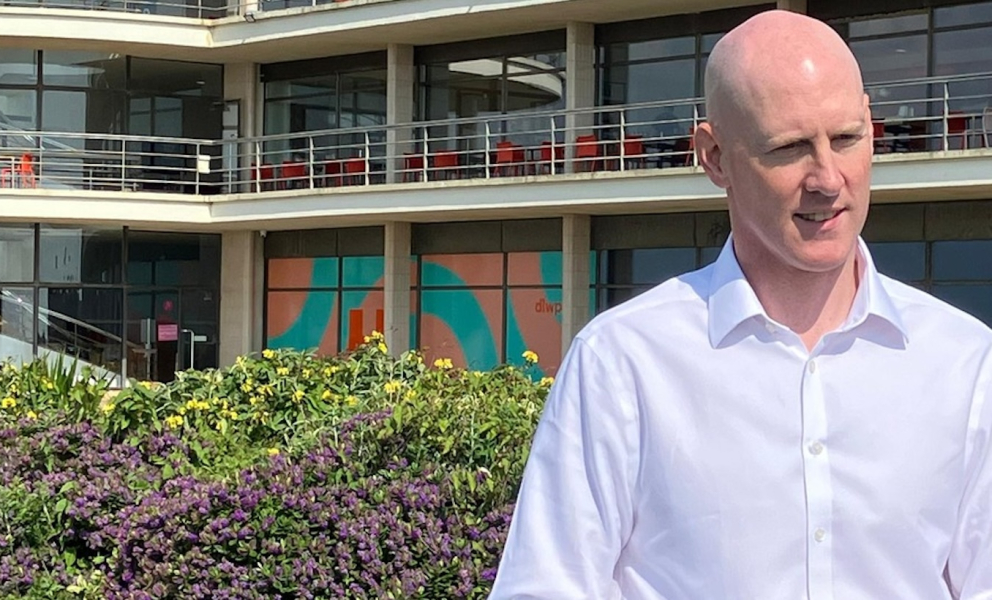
824, 174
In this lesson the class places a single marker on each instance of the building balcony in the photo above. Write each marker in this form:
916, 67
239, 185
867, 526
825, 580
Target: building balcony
588, 159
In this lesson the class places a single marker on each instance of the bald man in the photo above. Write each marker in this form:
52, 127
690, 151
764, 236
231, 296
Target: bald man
787, 422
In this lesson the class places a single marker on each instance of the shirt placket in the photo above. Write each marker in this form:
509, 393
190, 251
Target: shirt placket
819, 495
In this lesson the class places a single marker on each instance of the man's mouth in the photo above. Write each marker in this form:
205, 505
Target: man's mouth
818, 217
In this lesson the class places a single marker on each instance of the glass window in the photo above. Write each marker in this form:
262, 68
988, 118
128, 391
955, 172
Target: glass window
962, 260
709, 41
84, 69
905, 261
173, 259
17, 111
80, 255
963, 52
973, 299
464, 325
16, 324
646, 266
888, 25
83, 323
176, 78
18, 67
890, 59
16, 253
654, 49
966, 14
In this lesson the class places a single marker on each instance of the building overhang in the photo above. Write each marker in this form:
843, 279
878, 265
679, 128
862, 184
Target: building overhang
907, 178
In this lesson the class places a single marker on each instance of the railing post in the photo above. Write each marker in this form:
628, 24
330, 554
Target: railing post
695, 124
554, 146
256, 172
423, 151
488, 147
196, 168
946, 110
623, 138
310, 163
123, 164
368, 159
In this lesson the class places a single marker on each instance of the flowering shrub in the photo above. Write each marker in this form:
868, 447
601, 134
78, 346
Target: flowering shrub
285, 476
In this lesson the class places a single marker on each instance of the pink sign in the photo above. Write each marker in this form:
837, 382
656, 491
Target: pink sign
168, 332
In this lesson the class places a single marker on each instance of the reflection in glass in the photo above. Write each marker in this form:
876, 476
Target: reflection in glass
649, 266
16, 324
905, 261
82, 323
888, 25
94, 70
966, 14
891, 59
16, 253
962, 260
17, 113
18, 66
80, 255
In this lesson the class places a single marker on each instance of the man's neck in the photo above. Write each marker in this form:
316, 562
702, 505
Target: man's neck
810, 304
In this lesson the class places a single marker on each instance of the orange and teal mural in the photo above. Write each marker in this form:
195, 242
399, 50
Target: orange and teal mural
301, 304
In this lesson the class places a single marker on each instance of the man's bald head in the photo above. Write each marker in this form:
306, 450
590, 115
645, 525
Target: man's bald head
760, 61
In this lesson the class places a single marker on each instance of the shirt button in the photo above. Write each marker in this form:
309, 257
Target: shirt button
812, 366
816, 448
820, 534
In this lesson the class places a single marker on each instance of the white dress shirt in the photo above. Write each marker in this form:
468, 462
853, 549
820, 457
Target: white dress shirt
693, 449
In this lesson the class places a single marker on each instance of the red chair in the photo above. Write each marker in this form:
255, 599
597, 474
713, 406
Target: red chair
262, 177
25, 171
292, 175
446, 164
509, 159
633, 151
413, 166
559, 153
957, 126
878, 133
355, 170
332, 173
588, 153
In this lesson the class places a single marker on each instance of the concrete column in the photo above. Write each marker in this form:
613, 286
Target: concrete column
401, 74
798, 6
580, 84
241, 81
575, 247
397, 287
237, 294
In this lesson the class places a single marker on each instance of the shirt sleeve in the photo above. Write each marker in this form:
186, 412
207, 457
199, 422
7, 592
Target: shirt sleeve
969, 568
575, 511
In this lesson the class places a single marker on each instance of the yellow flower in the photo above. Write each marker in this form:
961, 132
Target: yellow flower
392, 386
307, 373
282, 371
49, 385
108, 407
530, 356
375, 336
246, 387
32, 415
234, 415
8, 402
382, 348
351, 400
331, 370
254, 400
269, 354
145, 384
410, 394
265, 390
273, 451
299, 394
327, 395
174, 421
546, 381
443, 363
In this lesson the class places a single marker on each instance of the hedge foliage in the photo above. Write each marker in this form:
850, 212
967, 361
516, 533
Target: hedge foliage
285, 476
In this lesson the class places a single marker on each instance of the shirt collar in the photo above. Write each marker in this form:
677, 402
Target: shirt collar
732, 299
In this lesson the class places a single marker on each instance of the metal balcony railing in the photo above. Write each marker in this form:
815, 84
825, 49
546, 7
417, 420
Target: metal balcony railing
193, 9
926, 115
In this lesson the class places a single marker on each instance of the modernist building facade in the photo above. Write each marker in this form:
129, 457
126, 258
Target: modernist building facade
181, 183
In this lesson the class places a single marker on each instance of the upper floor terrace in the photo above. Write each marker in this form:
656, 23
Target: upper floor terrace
932, 140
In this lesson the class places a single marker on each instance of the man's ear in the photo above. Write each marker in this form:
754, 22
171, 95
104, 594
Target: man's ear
710, 153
